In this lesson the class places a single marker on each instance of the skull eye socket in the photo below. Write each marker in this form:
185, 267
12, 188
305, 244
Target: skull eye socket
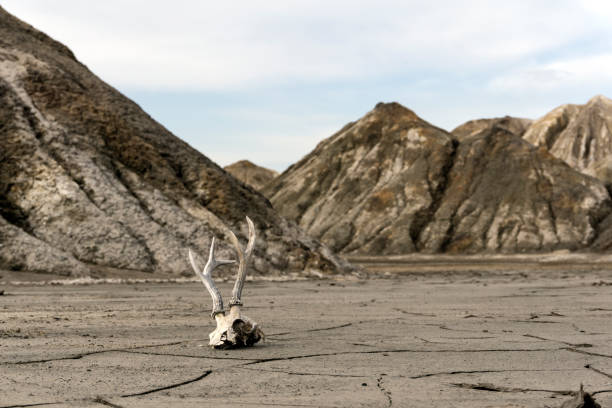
237, 325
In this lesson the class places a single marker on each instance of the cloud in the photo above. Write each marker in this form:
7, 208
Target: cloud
266, 80
583, 71
238, 44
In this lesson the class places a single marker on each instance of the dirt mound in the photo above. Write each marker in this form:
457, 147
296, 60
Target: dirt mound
251, 174
89, 180
392, 183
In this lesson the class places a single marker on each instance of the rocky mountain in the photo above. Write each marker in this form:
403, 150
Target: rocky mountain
90, 183
506, 195
580, 135
369, 187
518, 126
391, 183
251, 174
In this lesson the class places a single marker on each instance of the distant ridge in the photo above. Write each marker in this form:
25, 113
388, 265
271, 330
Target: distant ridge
517, 126
251, 174
391, 183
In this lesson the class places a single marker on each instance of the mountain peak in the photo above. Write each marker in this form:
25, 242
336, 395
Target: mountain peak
518, 126
344, 192
599, 99
243, 163
578, 134
394, 110
251, 174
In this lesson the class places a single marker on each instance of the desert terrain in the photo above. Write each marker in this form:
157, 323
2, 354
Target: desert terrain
396, 264
504, 333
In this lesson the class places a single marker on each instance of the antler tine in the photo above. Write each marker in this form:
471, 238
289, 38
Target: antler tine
206, 276
243, 258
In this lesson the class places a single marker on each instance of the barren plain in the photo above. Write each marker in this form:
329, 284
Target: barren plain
440, 336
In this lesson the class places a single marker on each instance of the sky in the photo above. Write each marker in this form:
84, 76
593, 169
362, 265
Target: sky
268, 80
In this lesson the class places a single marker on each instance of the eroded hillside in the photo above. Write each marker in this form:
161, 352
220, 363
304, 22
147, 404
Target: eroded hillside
90, 181
392, 183
580, 135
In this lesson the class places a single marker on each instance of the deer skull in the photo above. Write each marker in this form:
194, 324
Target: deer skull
233, 329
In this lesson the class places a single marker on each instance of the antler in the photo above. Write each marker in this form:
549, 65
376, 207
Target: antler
233, 329
243, 257
206, 277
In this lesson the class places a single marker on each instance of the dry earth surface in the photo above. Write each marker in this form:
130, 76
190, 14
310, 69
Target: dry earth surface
481, 334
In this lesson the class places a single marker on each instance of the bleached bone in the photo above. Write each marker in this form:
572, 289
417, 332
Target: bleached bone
243, 258
206, 276
233, 329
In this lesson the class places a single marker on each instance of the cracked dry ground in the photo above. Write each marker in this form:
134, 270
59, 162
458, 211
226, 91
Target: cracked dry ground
415, 341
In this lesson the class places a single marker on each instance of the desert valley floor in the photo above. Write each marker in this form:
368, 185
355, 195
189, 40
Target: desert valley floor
483, 335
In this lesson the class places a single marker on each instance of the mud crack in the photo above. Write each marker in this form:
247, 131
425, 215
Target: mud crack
381, 387
302, 373
536, 321
559, 341
397, 309
151, 353
311, 330
445, 327
416, 377
171, 386
90, 353
429, 341
590, 367
341, 353
97, 400
497, 388
31, 405
590, 353
100, 400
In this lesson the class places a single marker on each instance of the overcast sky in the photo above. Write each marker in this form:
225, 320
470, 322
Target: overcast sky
267, 80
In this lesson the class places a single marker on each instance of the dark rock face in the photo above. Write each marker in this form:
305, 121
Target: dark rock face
517, 126
251, 174
87, 179
580, 135
505, 195
603, 241
392, 183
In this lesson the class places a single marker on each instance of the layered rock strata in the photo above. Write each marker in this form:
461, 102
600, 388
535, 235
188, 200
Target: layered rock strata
580, 135
88, 179
391, 183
